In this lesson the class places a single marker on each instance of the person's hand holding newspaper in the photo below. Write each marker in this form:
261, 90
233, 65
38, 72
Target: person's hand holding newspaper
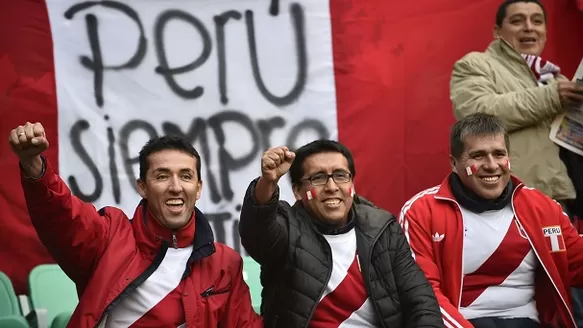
567, 129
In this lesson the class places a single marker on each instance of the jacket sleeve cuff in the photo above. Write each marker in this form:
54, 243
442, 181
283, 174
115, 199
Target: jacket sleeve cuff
37, 192
251, 193
44, 173
555, 96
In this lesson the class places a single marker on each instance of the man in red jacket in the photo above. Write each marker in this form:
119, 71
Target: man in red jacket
497, 253
160, 269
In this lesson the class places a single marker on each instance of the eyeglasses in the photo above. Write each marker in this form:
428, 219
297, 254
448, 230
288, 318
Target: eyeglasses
320, 179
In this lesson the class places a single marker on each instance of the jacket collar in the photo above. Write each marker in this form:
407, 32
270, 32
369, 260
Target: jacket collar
178, 238
364, 215
150, 235
327, 230
502, 48
321, 227
444, 189
370, 219
503, 51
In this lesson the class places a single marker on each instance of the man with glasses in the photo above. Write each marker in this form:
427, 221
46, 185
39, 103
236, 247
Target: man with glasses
332, 259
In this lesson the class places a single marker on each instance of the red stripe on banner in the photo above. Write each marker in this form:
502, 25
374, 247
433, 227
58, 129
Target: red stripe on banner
337, 306
505, 259
390, 78
27, 93
565, 23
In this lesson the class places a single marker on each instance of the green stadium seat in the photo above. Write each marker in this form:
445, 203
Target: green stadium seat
10, 315
8, 300
61, 320
251, 275
13, 321
53, 293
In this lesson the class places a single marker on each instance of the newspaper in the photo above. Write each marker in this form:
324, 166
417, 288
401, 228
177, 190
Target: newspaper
567, 128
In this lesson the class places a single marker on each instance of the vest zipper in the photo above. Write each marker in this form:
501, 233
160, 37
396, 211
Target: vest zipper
325, 283
366, 280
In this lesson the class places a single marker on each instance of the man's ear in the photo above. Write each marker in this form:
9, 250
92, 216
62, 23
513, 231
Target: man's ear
496, 32
297, 192
199, 191
452, 162
141, 188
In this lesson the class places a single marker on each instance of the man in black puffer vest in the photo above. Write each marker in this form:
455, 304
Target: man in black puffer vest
332, 258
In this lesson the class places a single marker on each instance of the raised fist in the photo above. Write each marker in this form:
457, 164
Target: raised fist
28, 141
276, 162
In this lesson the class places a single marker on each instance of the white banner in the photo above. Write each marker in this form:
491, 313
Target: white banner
233, 76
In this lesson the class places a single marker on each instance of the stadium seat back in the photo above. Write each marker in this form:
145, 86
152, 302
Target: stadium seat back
51, 289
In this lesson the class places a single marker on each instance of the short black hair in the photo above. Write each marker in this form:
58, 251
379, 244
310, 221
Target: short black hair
296, 170
478, 124
157, 144
502, 9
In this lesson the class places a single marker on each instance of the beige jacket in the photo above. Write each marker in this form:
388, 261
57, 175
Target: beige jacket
499, 82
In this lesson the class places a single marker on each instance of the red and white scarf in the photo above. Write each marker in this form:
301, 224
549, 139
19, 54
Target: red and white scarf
543, 70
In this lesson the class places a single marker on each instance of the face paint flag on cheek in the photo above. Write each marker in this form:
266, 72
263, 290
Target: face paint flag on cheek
351, 192
471, 170
508, 164
310, 194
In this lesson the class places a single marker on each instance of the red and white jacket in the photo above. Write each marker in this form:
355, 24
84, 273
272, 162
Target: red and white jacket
433, 224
